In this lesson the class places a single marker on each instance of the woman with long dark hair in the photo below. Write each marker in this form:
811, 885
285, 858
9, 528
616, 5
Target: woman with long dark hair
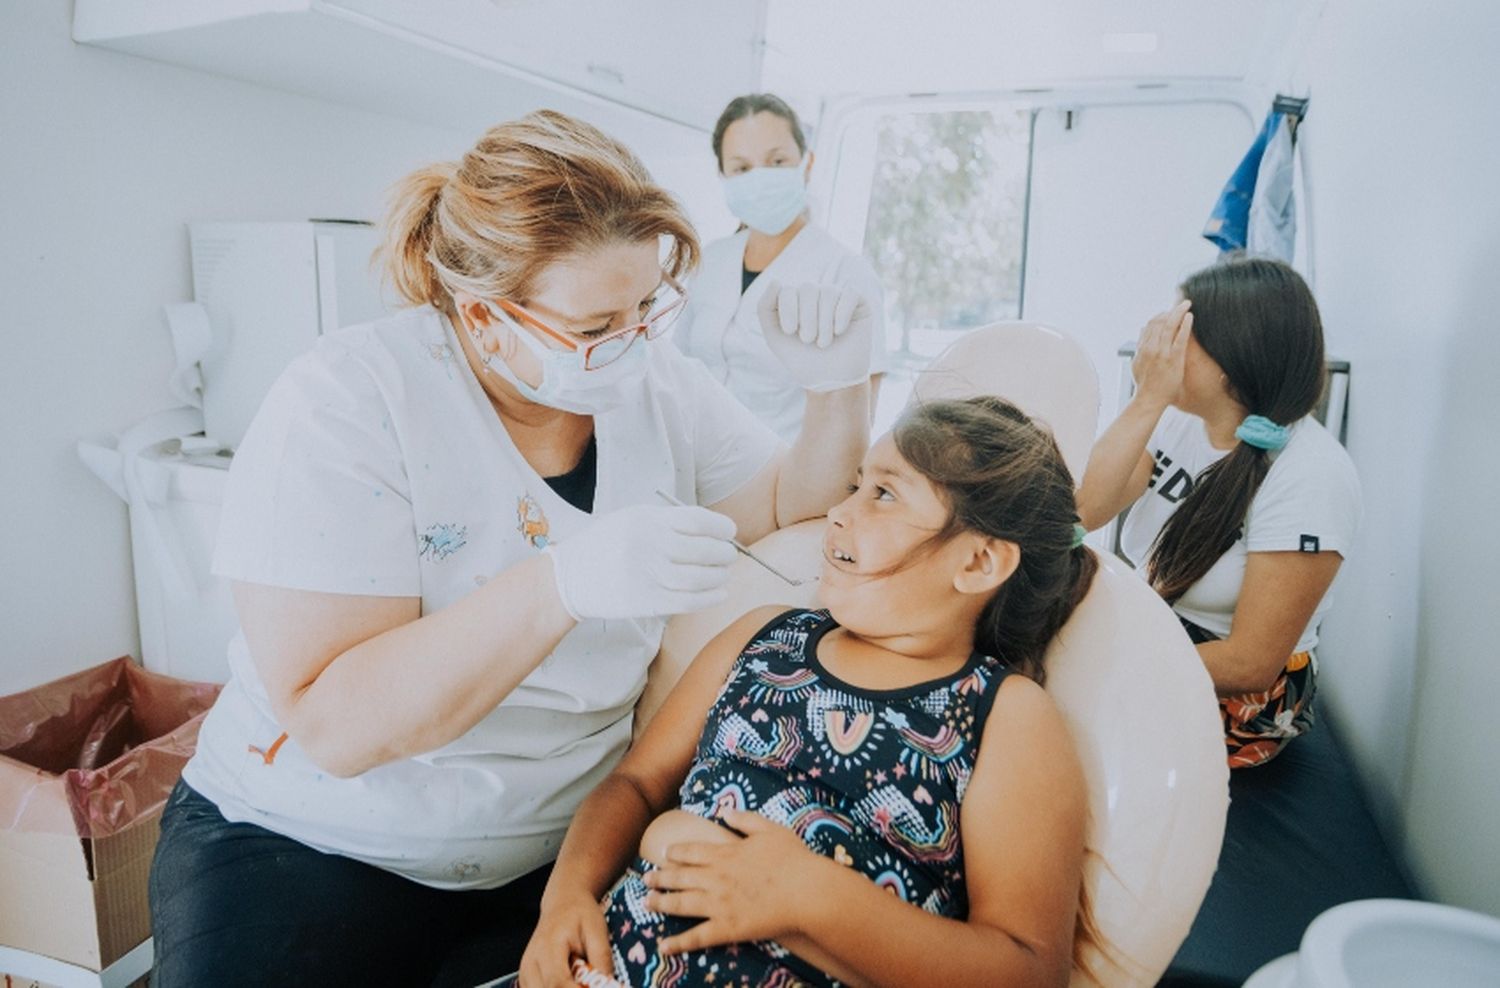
1242, 505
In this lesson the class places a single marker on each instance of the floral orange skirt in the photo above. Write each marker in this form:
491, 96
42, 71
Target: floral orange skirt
1258, 725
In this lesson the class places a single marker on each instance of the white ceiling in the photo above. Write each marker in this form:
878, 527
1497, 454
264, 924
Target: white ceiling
832, 48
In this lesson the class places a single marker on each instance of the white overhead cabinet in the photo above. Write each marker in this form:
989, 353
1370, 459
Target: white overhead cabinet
460, 63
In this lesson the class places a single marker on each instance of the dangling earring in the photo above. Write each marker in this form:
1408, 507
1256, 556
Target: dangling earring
486, 355
477, 339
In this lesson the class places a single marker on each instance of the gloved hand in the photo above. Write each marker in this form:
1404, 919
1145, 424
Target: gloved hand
644, 561
822, 333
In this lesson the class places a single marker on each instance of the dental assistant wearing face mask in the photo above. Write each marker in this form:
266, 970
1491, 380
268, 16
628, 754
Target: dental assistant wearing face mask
768, 263
452, 569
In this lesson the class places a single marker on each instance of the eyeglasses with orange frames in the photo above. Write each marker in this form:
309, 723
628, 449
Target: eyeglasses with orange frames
661, 311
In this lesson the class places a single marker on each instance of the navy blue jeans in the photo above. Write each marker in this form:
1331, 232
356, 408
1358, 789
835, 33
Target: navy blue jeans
235, 904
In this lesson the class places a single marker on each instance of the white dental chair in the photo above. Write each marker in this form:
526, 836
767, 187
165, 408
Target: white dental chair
1138, 700
1046, 374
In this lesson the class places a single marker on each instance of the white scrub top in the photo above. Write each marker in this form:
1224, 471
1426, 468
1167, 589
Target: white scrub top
377, 466
720, 326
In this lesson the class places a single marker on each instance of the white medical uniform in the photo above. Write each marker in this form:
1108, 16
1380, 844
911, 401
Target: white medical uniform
1308, 502
720, 326
378, 466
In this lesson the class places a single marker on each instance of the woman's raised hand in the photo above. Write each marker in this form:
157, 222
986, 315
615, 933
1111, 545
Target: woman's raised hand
1161, 354
821, 333
644, 560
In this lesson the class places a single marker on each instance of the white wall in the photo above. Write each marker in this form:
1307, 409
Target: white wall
1403, 150
1117, 213
103, 160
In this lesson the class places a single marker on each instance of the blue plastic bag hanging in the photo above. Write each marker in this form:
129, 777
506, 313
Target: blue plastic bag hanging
1228, 224
1272, 230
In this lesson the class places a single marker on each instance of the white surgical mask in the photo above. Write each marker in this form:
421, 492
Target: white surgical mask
566, 385
767, 199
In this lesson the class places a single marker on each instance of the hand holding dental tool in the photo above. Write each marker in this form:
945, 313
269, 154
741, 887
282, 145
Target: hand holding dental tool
644, 561
740, 548
822, 333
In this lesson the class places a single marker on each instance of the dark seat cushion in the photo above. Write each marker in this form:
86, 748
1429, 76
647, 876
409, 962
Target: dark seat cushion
1299, 840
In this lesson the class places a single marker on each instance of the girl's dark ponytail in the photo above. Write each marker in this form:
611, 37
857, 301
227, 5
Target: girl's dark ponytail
1207, 522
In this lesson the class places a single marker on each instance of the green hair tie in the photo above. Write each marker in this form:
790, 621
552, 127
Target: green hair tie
1079, 534
1262, 433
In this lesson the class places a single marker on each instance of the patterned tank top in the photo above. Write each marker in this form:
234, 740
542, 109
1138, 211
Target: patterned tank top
870, 778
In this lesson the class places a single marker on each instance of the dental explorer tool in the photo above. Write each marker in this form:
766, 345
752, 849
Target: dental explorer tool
736, 543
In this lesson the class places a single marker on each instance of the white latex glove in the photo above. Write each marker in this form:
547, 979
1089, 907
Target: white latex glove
644, 561
822, 333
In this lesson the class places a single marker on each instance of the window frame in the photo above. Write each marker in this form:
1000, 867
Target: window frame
839, 117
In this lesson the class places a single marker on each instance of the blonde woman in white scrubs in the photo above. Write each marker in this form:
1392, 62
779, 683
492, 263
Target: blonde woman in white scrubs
452, 569
764, 162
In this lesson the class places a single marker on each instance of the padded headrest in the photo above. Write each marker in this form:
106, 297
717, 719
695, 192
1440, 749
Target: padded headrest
1042, 371
1145, 719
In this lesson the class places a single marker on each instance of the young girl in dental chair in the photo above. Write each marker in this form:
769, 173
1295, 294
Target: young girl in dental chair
877, 793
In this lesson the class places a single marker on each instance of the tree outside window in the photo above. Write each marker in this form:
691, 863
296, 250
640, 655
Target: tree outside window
946, 224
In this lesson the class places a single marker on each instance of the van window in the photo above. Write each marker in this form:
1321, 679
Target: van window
938, 199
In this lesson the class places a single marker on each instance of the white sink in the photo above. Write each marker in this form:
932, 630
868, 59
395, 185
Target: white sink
1391, 943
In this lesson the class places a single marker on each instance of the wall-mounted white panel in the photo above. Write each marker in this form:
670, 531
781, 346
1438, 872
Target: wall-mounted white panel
458, 63
681, 59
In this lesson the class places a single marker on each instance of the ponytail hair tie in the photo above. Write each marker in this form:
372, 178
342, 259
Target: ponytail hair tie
1079, 534
1262, 433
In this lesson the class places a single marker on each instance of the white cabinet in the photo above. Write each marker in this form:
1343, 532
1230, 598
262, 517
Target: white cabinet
660, 68
681, 59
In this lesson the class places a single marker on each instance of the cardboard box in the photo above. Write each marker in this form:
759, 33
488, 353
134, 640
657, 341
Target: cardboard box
86, 764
